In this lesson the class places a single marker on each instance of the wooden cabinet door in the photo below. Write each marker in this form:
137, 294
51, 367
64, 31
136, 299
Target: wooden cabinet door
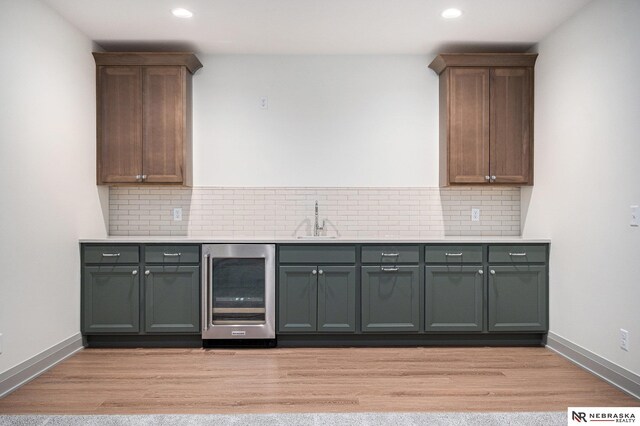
511, 118
172, 299
111, 299
390, 299
468, 125
517, 298
454, 298
336, 298
297, 299
119, 121
164, 127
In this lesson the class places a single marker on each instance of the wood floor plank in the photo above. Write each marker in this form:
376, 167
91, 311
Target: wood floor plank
182, 381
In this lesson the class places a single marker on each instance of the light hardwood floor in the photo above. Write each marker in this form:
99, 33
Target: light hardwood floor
128, 381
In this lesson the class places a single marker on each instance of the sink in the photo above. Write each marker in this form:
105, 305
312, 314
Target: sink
319, 237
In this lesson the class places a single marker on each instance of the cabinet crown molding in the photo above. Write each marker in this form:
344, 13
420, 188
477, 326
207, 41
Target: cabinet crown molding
186, 59
444, 60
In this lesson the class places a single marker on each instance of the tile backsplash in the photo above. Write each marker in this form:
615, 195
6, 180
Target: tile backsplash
289, 212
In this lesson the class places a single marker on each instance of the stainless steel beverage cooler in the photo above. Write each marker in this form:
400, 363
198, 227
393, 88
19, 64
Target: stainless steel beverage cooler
238, 291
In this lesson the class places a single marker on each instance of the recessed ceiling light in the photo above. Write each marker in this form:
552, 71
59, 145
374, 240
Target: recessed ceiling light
451, 13
181, 13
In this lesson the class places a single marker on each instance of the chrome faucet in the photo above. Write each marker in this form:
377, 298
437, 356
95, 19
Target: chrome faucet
316, 227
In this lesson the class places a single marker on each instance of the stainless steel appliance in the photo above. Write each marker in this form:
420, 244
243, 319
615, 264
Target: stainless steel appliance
238, 291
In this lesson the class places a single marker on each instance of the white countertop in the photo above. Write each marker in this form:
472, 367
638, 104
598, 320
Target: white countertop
311, 240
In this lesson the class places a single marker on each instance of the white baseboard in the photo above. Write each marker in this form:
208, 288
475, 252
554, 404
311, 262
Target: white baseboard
619, 377
28, 370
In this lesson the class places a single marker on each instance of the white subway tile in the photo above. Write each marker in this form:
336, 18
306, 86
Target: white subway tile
287, 211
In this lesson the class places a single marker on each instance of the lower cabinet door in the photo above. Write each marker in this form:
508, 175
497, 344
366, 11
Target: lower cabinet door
172, 299
337, 298
110, 301
454, 298
390, 298
517, 299
297, 298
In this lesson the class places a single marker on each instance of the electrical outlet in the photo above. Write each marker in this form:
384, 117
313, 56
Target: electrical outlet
635, 216
475, 215
177, 214
624, 339
264, 102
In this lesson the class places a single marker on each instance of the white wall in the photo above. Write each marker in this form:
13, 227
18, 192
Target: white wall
331, 121
587, 127
47, 177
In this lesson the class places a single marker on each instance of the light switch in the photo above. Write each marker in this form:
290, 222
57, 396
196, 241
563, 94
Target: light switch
635, 216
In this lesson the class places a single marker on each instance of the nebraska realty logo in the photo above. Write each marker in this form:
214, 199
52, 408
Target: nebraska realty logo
579, 415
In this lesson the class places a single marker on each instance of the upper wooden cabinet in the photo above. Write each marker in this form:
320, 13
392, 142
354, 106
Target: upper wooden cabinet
486, 118
144, 117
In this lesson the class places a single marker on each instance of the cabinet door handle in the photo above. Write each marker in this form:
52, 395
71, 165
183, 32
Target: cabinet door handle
134, 272
390, 254
144, 177
493, 178
453, 254
147, 272
110, 254
480, 271
487, 178
314, 272
138, 177
383, 269
524, 253
492, 272
172, 254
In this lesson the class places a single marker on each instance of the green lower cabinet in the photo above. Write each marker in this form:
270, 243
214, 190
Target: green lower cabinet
517, 298
172, 299
111, 296
390, 298
337, 298
297, 299
454, 298
317, 299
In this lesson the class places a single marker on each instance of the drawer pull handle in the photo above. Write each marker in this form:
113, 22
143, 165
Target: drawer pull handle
492, 272
320, 271
518, 254
110, 254
173, 254
480, 271
390, 254
314, 272
453, 254
134, 272
383, 269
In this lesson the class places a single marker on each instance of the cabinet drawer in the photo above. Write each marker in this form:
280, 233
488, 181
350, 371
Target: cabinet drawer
111, 254
390, 254
453, 254
172, 254
317, 254
518, 254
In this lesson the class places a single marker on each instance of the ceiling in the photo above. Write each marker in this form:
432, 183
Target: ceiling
317, 26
